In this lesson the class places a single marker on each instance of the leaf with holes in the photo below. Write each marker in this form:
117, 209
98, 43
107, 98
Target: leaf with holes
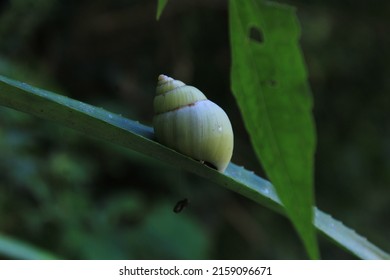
270, 85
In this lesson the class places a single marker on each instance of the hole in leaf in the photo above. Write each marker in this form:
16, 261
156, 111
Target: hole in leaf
256, 35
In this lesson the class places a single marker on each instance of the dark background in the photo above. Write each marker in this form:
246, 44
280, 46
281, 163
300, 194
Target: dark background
81, 198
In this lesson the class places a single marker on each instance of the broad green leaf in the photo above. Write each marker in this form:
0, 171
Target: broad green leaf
270, 85
104, 125
160, 7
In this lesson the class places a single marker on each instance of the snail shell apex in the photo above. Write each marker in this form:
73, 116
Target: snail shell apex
186, 121
173, 94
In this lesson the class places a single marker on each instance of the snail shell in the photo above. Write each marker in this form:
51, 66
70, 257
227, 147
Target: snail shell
186, 121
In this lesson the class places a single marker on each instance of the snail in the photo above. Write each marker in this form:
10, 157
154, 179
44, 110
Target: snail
186, 121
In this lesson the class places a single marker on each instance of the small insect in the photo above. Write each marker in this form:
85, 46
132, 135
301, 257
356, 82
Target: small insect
180, 205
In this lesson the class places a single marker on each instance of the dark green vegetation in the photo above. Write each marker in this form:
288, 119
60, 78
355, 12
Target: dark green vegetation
64, 184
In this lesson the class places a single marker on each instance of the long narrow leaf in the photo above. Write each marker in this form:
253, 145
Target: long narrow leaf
16, 249
160, 7
270, 85
105, 125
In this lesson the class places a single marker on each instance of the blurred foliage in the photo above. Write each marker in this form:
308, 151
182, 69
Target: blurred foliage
80, 198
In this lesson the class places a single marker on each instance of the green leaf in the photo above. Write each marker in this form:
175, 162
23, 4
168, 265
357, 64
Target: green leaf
270, 85
104, 125
16, 249
160, 8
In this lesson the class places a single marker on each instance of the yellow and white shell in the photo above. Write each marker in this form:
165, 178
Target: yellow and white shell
186, 121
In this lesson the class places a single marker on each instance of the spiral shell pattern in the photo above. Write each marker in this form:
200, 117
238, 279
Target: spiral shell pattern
186, 121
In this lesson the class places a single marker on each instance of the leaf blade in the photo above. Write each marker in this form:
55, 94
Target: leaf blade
108, 126
269, 83
18, 249
160, 8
